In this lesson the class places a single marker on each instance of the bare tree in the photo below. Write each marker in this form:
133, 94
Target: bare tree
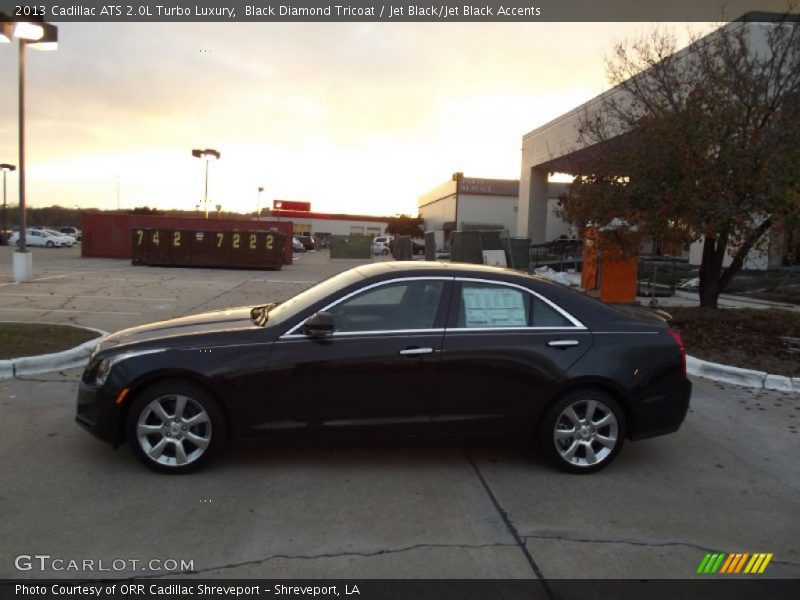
698, 144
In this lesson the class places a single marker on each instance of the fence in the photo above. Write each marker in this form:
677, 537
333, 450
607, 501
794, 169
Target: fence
351, 246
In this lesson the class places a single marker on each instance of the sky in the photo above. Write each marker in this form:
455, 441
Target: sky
358, 118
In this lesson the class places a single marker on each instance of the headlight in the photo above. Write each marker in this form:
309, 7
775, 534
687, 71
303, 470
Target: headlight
103, 369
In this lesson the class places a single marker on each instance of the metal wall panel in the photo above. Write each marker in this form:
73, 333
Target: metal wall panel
108, 235
182, 248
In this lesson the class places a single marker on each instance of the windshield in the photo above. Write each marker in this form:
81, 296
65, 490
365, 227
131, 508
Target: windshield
312, 295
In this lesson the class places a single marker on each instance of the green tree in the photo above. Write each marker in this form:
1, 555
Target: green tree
145, 210
698, 144
406, 225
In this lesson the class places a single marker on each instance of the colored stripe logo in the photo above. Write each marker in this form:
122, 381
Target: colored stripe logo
728, 564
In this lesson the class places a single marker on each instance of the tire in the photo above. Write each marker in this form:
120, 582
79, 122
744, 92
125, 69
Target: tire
575, 444
385, 251
49, 244
174, 446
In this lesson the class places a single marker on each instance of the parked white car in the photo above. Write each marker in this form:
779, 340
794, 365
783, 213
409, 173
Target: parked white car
68, 240
72, 232
380, 245
41, 237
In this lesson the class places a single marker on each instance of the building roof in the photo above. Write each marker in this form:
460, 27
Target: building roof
301, 214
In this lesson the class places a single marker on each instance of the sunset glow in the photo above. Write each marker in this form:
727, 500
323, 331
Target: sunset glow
358, 118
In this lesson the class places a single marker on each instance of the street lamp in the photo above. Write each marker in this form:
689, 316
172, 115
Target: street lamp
41, 36
206, 154
258, 202
5, 168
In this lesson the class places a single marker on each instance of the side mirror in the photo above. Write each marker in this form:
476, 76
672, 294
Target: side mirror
319, 324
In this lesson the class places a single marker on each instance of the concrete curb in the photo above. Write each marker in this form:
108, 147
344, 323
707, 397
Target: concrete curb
43, 363
741, 377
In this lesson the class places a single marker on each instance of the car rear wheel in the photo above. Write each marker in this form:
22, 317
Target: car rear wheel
175, 427
583, 432
385, 251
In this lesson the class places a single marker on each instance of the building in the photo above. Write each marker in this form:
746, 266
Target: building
324, 225
468, 203
545, 149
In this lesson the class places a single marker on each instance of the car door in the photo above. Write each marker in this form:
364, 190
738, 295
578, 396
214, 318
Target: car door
34, 238
505, 348
376, 371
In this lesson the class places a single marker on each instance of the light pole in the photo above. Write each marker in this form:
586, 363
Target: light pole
42, 36
5, 168
206, 154
258, 202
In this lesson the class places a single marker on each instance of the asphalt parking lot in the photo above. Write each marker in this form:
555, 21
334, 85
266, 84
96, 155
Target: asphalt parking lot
727, 481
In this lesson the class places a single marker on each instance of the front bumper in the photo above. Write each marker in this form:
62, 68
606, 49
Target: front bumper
98, 414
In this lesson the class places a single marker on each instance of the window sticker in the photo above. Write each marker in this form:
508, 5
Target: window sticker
493, 307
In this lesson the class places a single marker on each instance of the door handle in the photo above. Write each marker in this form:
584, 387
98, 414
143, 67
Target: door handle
416, 351
563, 343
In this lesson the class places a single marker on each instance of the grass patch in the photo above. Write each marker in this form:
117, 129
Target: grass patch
742, 337
30, 339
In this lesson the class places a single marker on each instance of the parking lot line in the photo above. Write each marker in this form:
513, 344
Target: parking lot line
282, 281
68, 310
136, 298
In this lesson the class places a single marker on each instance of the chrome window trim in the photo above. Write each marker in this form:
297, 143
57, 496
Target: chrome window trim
576, 324
626, 332
291, 333
346, 334
571, 330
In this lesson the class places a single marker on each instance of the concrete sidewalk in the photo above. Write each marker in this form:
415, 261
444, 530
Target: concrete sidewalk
682, 298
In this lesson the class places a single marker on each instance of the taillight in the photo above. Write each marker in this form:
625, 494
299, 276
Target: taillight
679, 340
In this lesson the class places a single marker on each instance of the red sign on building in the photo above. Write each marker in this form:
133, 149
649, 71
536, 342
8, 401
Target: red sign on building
291, 205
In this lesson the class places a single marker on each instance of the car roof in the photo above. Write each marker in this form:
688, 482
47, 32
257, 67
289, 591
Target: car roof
416, 267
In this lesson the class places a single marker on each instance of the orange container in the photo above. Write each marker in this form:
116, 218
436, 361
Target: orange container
606, 270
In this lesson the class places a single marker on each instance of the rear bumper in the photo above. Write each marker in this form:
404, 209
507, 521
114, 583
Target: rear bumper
662, 413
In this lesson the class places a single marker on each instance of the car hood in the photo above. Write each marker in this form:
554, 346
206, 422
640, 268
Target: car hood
176, 331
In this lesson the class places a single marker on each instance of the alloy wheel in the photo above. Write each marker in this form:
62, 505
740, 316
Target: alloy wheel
174, 430
586, 433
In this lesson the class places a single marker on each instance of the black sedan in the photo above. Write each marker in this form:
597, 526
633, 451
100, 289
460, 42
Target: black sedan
393, 348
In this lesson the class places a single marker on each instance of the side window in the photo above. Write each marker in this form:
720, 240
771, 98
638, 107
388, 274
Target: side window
489, 305
390, 307
544, 315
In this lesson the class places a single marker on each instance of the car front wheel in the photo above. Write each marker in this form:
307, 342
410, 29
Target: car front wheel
49, 244
175, 427
583, 431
